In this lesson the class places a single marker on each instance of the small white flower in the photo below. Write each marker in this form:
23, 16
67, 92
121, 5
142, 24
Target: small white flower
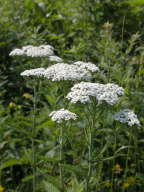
16, 52
127, 116
34, 51
61, 115
63, 71
102, 92
55, 58
33, 72
89, 66
24, 48
41, 4
47, 47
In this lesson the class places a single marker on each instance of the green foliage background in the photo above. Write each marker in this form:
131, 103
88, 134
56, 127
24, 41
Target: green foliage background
78, 31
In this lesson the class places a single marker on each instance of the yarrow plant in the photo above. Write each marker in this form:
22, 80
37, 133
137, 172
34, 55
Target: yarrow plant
35, 51
128, 116
83, 92
92, 93
60, 116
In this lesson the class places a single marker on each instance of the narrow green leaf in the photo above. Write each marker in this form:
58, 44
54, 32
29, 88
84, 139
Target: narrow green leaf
10, 163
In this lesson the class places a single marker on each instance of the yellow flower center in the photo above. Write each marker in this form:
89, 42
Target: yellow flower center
2, 188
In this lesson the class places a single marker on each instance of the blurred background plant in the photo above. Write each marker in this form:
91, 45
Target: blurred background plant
106, 32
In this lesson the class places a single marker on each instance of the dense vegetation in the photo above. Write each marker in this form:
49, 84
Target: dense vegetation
108, 33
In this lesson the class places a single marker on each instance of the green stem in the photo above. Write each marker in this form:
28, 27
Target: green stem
89, 154
91, 122
61, 157
99, 172
33, 141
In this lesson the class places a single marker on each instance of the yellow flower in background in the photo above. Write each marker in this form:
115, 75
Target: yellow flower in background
131, 180
12, 105
118, 168
27, 95
126, 185
2, 188
108, 184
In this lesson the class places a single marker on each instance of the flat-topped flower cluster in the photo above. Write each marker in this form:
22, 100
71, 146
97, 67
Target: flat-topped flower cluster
127, 116
37, 51
63, 71
61, 115
34, 51
83, 92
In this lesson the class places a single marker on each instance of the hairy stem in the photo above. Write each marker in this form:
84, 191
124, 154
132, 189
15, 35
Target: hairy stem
33, 141
89, 131
89, 158
61, 157
90, 153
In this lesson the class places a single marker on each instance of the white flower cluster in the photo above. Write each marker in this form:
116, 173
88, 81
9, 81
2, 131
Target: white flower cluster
127, 116
89, 66
63, 71
103, 92
61, 115
34, 51
33, 72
